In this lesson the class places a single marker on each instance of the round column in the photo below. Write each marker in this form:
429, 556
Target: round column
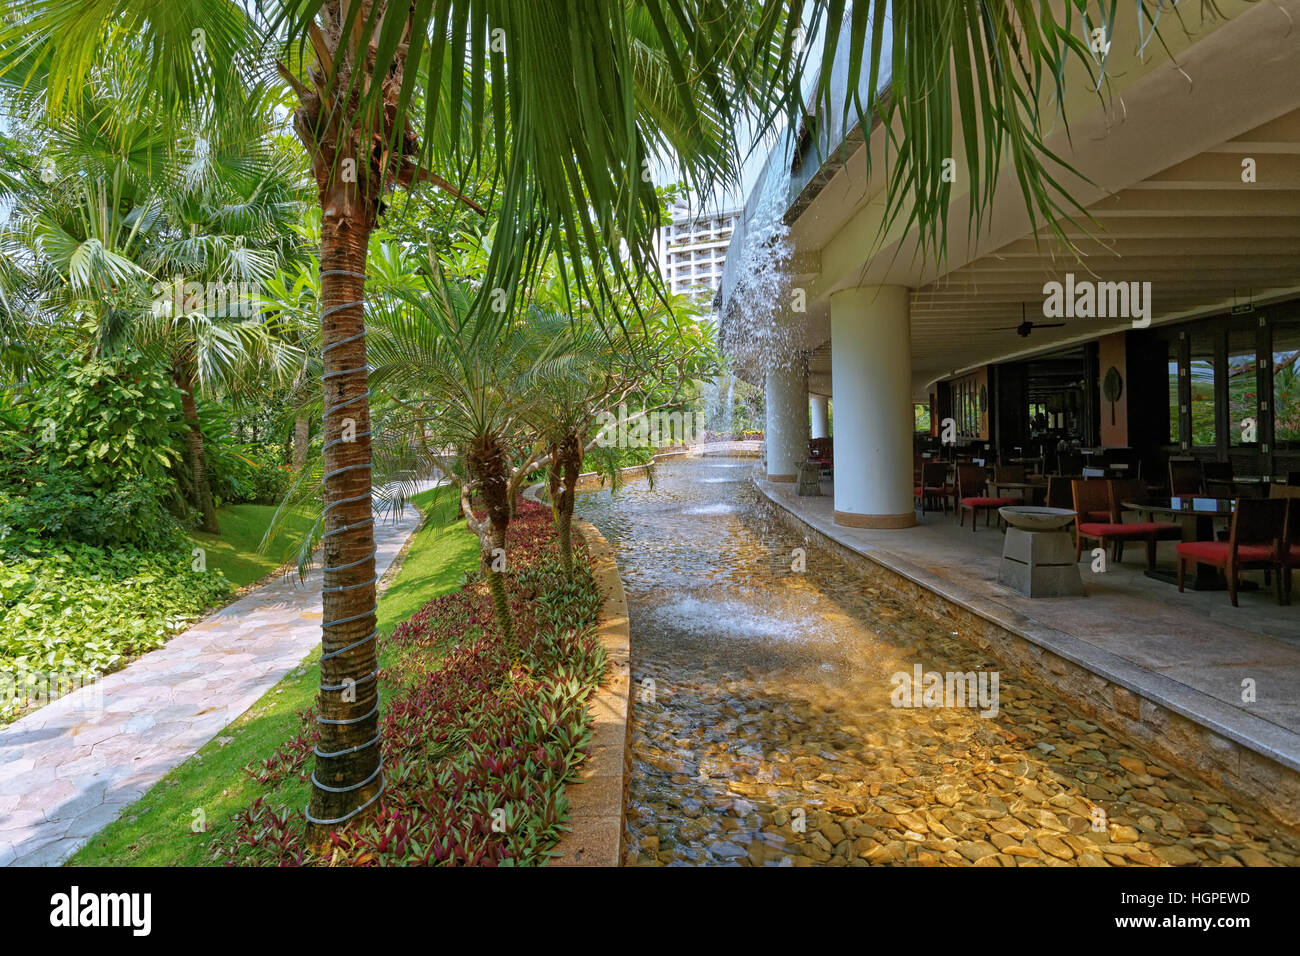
871, 380
818, 407
786, 427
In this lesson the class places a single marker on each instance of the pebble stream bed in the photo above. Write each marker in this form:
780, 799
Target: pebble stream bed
764, 731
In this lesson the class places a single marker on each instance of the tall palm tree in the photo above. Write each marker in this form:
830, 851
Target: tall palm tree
128, 223
577, 97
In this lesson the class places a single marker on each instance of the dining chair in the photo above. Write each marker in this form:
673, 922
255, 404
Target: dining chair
1185, 477
1289, 557
1134, 489
1008, 473
1059, 492
933, 485
1092, 500
973, 496
1254, 539
1217, 476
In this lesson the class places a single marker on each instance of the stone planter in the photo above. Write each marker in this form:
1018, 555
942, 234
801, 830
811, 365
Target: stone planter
1038, 553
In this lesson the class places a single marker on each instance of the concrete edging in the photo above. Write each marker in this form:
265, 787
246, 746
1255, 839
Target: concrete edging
590, 480
1181, 725
598, 795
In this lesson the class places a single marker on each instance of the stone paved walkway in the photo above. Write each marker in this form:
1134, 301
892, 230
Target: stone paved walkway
70, 768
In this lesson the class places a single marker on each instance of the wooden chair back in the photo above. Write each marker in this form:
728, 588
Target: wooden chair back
1090, 495
971, 481
1258, 521
1059, 492
934, 474
1185, 478
1122, 490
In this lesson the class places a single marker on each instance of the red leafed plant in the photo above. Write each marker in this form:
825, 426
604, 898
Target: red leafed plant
476, 752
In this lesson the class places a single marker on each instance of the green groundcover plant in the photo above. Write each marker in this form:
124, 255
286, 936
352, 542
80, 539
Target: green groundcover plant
476, 751
80, 610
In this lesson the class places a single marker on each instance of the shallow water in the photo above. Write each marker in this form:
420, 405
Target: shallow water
766, 731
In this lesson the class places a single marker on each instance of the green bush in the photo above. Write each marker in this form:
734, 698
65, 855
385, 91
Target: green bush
55, 506
110, 422
240, 472
247, 474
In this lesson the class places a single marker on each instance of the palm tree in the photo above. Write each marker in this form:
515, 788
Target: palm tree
120, 212
592, 373
577, 98
465, 378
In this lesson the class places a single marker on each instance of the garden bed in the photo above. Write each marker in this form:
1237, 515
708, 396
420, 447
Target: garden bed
463, 736
476, 753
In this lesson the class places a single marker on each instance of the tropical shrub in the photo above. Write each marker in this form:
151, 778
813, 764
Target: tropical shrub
112, 422
246, 473
56, 505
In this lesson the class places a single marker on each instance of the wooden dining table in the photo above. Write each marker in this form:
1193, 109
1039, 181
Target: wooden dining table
1197, 515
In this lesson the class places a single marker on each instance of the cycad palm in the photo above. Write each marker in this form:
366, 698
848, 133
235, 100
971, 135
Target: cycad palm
465, 378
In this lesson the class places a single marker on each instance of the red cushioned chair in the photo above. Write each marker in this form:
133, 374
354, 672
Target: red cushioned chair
1258, 527
1092, 497
822, 451
973, 496
933, 485
1134, 489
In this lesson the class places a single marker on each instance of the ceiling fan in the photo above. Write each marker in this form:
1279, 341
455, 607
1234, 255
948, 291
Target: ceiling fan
1025, 326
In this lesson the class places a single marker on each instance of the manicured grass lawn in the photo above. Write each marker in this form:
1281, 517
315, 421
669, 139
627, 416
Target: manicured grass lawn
234, 552
162, 829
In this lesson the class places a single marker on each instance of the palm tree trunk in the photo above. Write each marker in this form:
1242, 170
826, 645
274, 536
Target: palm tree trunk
183, 378
301, 437
570, 462
497, 585
554, 471
489, 467
347, 773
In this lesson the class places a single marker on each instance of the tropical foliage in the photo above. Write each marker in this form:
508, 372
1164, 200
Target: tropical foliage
150, 141
477, 758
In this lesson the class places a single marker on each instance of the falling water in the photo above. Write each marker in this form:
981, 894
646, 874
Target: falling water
762, 293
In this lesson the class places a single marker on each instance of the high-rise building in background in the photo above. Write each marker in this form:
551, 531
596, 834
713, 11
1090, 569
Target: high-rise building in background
693, 249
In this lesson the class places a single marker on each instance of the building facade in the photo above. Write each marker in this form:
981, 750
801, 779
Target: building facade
1170, 329
693, 250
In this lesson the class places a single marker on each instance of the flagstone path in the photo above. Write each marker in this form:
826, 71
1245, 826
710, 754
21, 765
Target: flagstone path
70, 768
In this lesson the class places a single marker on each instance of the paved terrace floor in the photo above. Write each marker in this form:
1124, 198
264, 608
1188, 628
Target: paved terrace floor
70, 768
1190, 651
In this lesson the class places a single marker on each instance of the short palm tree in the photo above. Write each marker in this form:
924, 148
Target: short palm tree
591, 373
464, 378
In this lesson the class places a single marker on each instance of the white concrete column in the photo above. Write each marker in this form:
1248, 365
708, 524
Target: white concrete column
786, 428
871, 380
821, 422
